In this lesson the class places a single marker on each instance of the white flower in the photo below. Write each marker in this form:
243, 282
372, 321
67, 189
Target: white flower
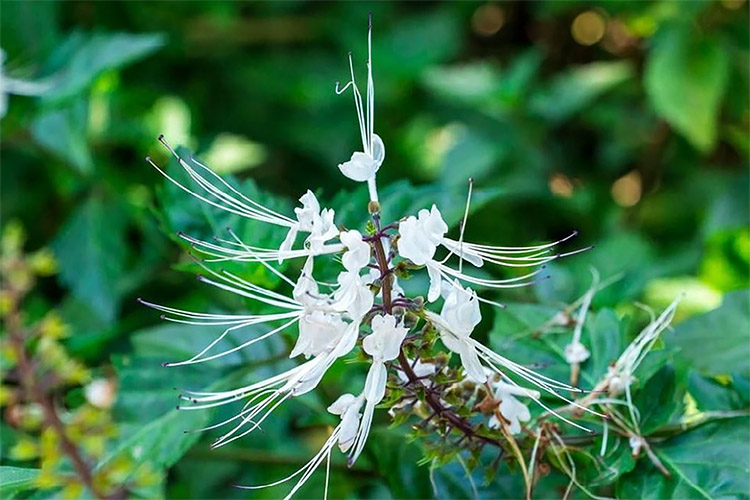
620, 375
309, 212
363, 166
329, 323
357, 253
348, 407
511, 408
384, 343
318, 330
575, 352
353, 295
421, 235
460, 314
310, 218
419, 238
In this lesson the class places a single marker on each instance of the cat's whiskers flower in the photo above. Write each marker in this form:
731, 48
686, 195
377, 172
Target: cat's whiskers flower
366, 294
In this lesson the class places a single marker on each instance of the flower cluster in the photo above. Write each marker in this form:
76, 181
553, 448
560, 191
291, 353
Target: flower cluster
365, 308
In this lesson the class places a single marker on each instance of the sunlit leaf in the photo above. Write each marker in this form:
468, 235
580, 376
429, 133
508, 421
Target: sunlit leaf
717, 342
686, 76
82, 57
572, 91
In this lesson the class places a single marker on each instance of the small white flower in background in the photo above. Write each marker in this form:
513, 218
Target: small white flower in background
511, 409
575, 352
366, 297
101, 393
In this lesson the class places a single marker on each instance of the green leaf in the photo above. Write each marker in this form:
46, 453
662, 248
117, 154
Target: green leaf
161, 441
717, 342
63, 132
83, 57
572, 91
91, 250
397, 460
708, 462
660, 401
685, 77
472, 83
618, 458
14, 480
712, 394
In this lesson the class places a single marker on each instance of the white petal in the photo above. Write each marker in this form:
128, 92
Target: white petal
349, 428
378, 150
359, 168
288, 242
435, 283
384, 343
472, 365
342, 404
357, 255
375, 383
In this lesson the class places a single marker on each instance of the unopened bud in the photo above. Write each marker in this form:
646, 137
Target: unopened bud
373, 208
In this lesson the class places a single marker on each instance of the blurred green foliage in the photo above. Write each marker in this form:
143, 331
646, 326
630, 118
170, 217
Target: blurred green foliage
627, 121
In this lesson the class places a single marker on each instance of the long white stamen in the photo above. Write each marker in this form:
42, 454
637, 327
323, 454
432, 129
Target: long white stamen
360, 109
238, 193
463, 228
225, 201
265, 264
197, 358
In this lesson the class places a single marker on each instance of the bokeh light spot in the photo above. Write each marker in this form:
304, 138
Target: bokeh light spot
588, 28
627, 190
488, 19
561, 186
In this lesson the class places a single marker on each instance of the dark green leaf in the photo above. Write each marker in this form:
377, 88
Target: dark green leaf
686, 76
62, 131
92, 252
